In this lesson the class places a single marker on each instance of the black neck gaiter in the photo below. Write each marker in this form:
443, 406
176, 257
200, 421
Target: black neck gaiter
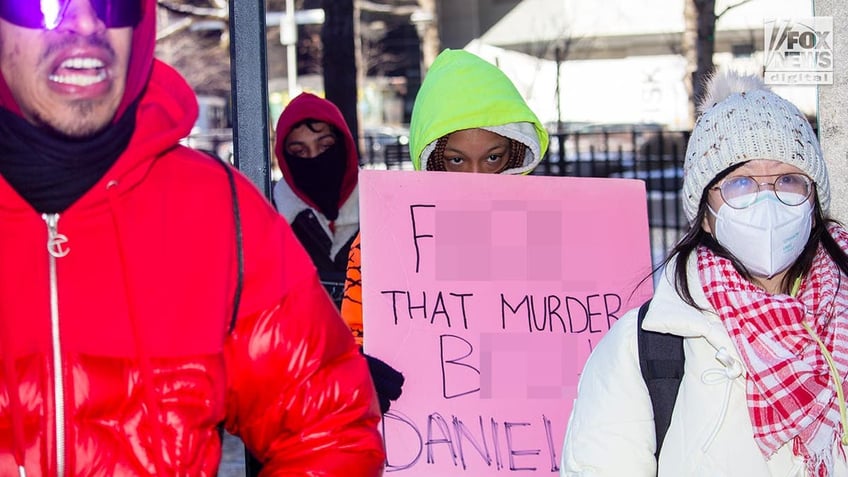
320, 177
52, 171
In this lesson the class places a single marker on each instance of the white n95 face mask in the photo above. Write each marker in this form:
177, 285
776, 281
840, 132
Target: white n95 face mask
767, 236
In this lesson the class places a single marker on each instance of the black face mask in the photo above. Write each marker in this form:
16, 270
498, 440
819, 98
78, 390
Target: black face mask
320, 177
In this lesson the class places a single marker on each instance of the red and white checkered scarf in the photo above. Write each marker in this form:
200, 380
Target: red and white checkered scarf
789, 388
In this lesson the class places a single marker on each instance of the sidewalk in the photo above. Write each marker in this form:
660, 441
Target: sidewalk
232, 457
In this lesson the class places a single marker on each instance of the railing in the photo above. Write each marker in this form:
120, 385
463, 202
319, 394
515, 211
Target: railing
651, 154
385, 152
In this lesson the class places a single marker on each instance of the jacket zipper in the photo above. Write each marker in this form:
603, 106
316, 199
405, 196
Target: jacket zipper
56, 248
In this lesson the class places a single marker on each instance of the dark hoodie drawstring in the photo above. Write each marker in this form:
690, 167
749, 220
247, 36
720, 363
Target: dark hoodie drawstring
147, 381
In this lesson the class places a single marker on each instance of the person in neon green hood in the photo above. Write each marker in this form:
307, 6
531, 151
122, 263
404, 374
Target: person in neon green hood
467, 117
463, 92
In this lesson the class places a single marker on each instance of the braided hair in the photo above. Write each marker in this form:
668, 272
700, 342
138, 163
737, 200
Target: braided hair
436, 161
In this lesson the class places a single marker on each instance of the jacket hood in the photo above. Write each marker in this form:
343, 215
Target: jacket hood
670, 314
167, 112
138, 72
308, 106
463, 91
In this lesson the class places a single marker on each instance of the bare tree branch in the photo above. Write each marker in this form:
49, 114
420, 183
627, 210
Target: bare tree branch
200, 53
174, 28
730, 7
222, 13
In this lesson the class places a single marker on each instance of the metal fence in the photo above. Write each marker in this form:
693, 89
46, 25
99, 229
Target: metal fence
648, 153
651, 154
385, 151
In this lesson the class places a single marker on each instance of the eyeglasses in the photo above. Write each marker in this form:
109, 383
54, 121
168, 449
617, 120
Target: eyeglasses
48, 14
742, 191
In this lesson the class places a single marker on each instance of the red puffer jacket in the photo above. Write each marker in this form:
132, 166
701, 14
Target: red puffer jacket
114, 316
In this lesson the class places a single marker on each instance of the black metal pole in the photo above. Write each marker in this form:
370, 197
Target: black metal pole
248, 69
250, 91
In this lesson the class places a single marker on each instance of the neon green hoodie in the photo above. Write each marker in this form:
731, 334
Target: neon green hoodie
463, 91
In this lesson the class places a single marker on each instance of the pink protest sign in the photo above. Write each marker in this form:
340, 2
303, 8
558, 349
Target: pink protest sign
488, 292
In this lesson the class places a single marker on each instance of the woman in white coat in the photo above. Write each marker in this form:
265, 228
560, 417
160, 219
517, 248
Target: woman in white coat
758, 289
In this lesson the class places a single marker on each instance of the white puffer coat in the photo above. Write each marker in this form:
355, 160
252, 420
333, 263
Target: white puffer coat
611, 429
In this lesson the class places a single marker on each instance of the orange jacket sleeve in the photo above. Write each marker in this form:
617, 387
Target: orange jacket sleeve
352, 300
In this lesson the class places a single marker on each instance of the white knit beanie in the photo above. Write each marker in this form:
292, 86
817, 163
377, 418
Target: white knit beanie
742, 120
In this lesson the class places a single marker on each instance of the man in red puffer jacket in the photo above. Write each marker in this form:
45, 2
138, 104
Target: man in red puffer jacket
149, 293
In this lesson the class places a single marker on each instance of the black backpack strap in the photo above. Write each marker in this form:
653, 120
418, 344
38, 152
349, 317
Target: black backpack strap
239, 244
661, 360
239, 257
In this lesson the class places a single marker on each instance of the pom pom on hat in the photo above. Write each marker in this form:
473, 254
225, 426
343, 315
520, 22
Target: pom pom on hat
720, 87
741, 120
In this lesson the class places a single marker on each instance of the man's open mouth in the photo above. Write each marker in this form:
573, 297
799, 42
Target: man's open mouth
80, 72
